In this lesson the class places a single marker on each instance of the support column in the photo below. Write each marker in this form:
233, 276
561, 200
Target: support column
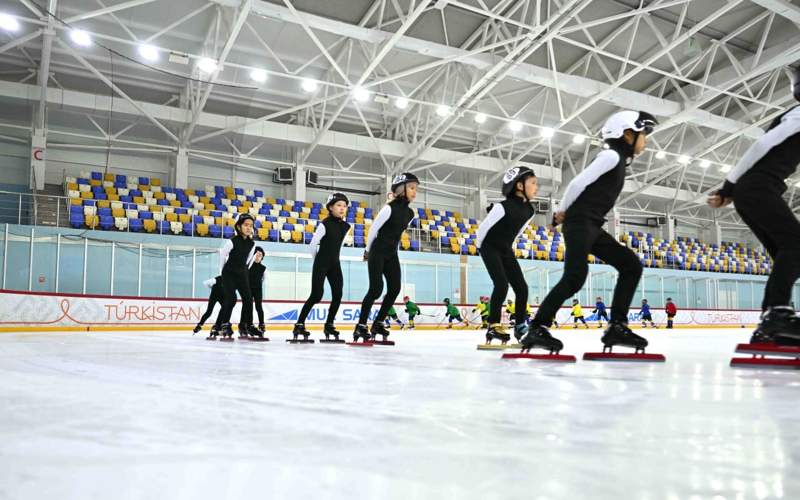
38, 159
180, 172
669, 228
479, 200
614, 224
299, 178
715, 236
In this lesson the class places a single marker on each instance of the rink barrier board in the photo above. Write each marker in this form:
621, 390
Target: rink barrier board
39, 311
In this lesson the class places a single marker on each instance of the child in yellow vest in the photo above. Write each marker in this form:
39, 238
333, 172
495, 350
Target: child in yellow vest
577, 313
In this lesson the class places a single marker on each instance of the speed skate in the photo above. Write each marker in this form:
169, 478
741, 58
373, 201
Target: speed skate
786, 357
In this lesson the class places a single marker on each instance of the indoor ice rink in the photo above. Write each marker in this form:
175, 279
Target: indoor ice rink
295, 249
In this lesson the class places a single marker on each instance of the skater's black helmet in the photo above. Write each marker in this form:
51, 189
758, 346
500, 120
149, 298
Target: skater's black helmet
334, 197
446, 301
796, 82
260, 250
514, 175
403, 179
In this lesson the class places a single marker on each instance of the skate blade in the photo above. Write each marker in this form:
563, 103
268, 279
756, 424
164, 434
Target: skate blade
298, 341
258, 339
228, 339
360, 344
323, 341
383, 342
626, 356
492, 347
211, 338
771, 363
769, 350
555, 358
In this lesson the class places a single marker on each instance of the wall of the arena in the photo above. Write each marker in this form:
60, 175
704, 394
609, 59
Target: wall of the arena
45, 311
58, 260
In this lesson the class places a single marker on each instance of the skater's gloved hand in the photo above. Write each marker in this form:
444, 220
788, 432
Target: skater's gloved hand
558, 218
366, 255
717, 200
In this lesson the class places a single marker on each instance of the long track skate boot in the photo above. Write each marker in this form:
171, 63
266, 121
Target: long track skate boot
243, 331
329, 331
497, 331
226, 332
520, 331
539, 336
361, 332
197, 328
618, 333
255, 334
378, 328
214, 333
779, 325
299, 330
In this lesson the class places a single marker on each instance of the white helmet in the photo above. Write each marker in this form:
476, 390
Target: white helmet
618, 123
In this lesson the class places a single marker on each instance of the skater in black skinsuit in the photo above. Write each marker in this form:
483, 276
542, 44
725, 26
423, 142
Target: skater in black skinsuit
756, 186
256, 279
329, 236
236, 256
588, 197
217, 296
381, 255
496, 235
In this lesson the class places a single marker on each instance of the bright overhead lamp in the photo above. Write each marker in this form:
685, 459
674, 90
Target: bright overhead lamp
258, 75
705, 163
81, 38
546, 132
360, 94
515, 126
480, 118
661, 155
442, 110
725, 168
401, 103
207, 65
148, 52
684, 160
9, 23
309, 85
797, 184
578, 139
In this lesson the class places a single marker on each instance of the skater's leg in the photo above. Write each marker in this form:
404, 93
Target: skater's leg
494, 266
375, 271
516, 279
317, 288
391, 271
246, 318
229, 285
782, 231
627, 265
257, 304
209, 310
578, 238
336, 282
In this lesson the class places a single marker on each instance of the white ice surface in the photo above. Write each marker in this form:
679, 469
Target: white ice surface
171, 416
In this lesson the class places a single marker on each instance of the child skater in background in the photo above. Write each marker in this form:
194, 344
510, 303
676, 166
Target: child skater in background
392, 315
646, 315
671, 311
482, 307
326, 244
412, 310
217, 296
381, 255
496, 235
587, 199
600, 311
453, 314
256, 278
577, 313
235, 258
756, 186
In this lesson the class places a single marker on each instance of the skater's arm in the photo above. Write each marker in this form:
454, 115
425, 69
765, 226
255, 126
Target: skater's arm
495, 214
251, 257
789, 126
318, 235
379, 221
210, 283
223, 254
604, 162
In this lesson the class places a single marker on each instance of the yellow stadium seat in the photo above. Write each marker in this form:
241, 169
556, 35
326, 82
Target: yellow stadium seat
113, 197
171, 217
108, 177
201, 229
263, 233
103, 204
175, 203
149, 225
297, 236
229, 222
405, 244
184, 218
291, 220
87, 195
117, 212
72, 186
139, 200
455, 248
95, 182
91, 221
75, 201
472, 249
159, 195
